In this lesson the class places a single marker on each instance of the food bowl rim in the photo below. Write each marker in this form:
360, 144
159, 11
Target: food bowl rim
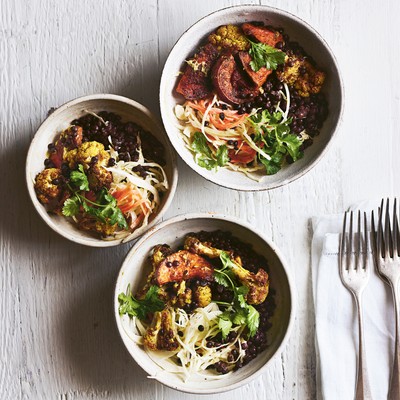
183, 387
256, 186
40, 209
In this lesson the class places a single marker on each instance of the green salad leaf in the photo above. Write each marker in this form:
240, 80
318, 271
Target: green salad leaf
79, 179
203, 154
128, 304
239, 312
104, 209
265, 56
273, 134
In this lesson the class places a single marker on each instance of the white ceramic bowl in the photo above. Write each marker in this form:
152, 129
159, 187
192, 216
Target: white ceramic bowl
297, 30
59, 120
136, 268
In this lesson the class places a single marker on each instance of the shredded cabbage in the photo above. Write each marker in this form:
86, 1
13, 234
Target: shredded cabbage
192, 359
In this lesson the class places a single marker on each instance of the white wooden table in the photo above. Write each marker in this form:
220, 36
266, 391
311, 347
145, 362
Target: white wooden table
58, 337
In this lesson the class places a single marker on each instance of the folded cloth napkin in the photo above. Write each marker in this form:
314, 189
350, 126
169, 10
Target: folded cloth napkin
337, 322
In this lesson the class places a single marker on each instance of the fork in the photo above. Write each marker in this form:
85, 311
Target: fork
354, 273
388, 264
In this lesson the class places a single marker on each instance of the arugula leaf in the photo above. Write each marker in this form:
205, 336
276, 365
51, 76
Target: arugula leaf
222, 155
79, 179
265, 56
71, 206
140, 308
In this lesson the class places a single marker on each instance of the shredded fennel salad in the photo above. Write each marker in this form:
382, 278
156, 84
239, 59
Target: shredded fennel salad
193, 358
138, 197
253, 143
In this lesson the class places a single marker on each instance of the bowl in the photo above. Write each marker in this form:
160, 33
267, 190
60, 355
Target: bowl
59, 120
134, 271
297, 30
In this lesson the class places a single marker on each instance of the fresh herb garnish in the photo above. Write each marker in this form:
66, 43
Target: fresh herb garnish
79, 179
274, 133
239, 312
104, 209
140, 308
265, 56
203, 154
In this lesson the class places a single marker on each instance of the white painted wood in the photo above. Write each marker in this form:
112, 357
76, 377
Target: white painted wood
58, 336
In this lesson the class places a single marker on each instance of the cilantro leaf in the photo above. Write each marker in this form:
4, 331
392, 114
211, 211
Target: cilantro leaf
203, 154
128, 304
252, 319
239, 318
224, 324
222, 155
199, 145
71, 206
265, 56
278, 142
221, 279
79, 179
239, 311
206, 163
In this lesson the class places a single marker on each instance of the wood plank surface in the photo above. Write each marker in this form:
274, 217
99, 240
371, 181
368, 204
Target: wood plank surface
58, 335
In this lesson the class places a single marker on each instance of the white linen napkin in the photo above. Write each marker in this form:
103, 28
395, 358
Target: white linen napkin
337, 323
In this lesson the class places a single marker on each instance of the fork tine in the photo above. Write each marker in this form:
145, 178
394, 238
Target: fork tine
342, 248
358, 249
387, 235
366, 241
395, 224
350, 248
379, 234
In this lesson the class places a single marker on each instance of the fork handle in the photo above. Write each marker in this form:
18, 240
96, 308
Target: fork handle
363, 391
394, 390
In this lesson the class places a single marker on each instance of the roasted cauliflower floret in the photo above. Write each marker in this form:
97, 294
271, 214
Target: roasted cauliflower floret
161, 335
258, 284
229, 37
93, 225
202, 295
71, 137
183, 295
99, 177
87, 153
302, 75
48, 185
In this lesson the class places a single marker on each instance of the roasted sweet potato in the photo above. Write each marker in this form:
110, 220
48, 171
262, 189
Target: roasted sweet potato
262, 34
228, 81
258, 77
195, 82
182, 265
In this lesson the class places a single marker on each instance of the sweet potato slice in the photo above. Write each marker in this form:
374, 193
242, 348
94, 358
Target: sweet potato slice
258, 77
183, 265
195, 82
228, 81
262, 34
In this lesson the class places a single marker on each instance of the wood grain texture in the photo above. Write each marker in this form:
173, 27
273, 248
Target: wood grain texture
58, 338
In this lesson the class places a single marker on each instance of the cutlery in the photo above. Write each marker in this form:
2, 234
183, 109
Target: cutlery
387, 258
354, 272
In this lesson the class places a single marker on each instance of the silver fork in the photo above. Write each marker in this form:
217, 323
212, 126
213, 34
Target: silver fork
388, 264
354, 272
